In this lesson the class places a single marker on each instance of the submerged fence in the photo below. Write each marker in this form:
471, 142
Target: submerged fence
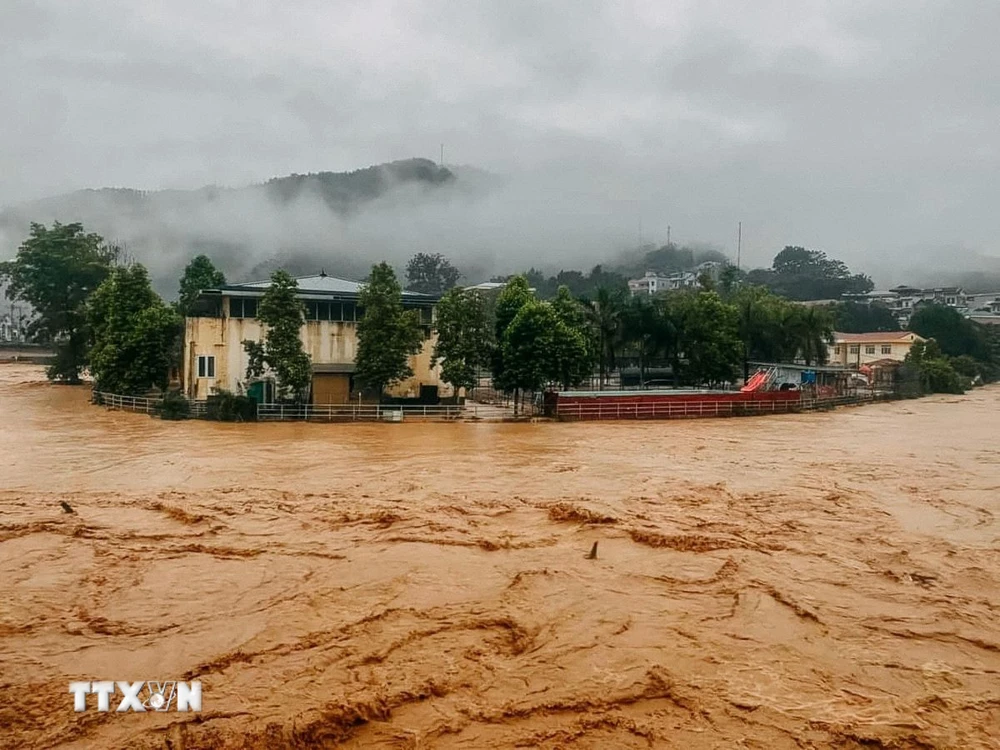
568, 410
310, 412
598, 410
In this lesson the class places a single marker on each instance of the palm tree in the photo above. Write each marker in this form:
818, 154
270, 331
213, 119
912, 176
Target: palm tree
605, 315
813, 332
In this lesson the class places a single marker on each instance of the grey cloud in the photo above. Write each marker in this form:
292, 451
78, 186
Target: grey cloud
865, 129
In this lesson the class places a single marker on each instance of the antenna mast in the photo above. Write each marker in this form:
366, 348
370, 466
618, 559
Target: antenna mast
739, 244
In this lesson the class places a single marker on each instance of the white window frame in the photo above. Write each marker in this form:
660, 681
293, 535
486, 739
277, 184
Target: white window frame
870, 349
887, 348
206, 366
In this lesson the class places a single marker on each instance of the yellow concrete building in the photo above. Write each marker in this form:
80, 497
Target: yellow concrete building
856, 349
224, 318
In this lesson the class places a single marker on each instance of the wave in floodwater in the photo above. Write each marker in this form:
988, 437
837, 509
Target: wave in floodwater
818, 580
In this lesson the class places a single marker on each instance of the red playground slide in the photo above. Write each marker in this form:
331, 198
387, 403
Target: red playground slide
756, 382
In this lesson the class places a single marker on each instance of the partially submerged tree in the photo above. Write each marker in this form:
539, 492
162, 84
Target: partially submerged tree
281, 350
55, 271
464, 339
133, 333
605, 313
431, 274
388, 335
199, 274
515, 295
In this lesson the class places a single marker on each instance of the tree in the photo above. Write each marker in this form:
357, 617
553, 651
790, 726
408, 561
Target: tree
574, 340
283, 314
648, 328
431, 274
935, 372
955, 334
851, 317
515, 295
729, 278
55, 271
463, 337
133, 333
801, 274
812, 332
531, 349
199, 274
708, 337
387, 334
605, 314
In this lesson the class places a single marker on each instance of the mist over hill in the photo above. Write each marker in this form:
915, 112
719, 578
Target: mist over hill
342, 222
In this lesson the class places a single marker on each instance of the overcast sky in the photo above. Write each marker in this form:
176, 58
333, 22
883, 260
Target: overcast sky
868, 129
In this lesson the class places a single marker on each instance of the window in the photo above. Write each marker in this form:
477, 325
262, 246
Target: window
887, 348
242, 307
869, 350
206, 366
836, 349
855, 348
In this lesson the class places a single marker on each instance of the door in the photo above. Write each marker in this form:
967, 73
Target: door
331, 388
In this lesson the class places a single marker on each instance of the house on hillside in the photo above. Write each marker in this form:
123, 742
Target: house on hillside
655, 283
223, 318
856, 349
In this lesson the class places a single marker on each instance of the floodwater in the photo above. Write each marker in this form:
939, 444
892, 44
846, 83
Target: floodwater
814, 580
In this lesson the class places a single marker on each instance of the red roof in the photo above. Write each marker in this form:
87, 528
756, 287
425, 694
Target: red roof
880, 337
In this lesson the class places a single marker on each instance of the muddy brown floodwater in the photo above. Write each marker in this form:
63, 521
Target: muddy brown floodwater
815, 580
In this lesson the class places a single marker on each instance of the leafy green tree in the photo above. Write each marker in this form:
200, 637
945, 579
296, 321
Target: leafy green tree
574, 342
729, 279
532, 350
935, 372
851, 317
431, 274
955, 334
648, 327
199, 274
387, 334
801, 274
515, 295
812, 332
133, 333
605, 313
709, 337
55, 271
464, 338
281, 351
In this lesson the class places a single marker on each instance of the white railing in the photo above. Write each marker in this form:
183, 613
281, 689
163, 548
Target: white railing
126, 403
360, 412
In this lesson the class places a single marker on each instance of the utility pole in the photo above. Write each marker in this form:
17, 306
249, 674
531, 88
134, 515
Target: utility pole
739, 244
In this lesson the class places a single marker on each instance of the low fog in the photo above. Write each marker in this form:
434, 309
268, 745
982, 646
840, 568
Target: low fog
866, 130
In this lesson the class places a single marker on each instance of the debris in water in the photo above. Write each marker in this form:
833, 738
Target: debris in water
66, 507
592, 555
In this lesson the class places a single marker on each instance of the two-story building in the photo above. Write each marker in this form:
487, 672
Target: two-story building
856, 349
223, 318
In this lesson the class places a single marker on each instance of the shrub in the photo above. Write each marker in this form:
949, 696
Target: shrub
226, 406
174, 406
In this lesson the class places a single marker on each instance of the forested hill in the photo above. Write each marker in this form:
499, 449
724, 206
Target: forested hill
308, 219
341, 191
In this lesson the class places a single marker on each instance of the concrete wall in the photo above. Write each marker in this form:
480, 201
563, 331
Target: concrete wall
326, 342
